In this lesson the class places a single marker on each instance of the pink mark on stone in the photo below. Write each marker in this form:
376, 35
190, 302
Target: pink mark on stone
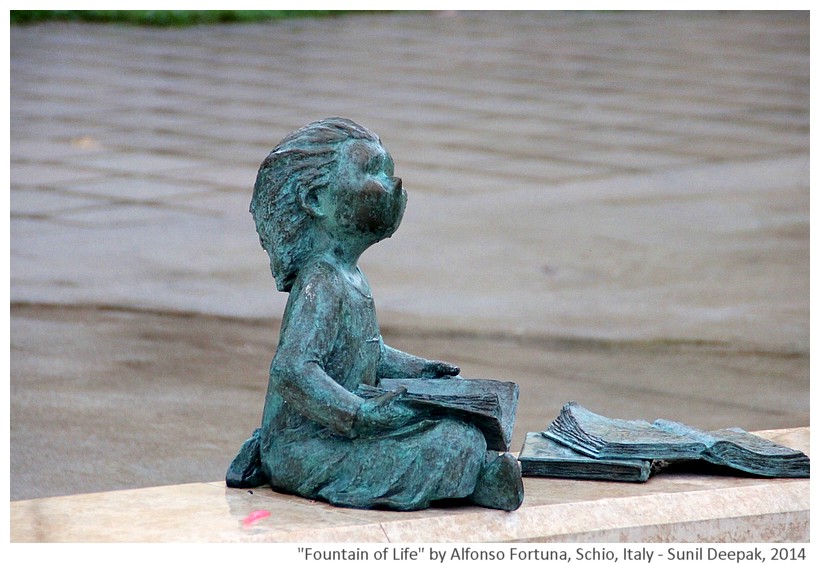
255, 517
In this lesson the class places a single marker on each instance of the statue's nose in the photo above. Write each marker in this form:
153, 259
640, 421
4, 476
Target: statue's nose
396, 183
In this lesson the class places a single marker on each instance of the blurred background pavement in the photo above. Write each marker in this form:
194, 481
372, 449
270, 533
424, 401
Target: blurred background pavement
611, 208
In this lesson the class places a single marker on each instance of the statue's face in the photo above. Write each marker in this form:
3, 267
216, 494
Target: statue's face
368, 201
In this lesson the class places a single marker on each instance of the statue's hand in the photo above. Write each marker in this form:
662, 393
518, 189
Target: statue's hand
433, 370
382, 413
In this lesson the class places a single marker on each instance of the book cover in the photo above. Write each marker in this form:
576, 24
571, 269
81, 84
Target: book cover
542, 457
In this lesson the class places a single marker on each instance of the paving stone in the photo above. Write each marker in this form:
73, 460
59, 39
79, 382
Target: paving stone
50, 203
34, 174
145, 163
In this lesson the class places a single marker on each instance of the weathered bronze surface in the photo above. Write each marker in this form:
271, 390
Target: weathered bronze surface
324, 195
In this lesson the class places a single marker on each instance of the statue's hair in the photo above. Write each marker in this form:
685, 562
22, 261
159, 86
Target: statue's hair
305, 159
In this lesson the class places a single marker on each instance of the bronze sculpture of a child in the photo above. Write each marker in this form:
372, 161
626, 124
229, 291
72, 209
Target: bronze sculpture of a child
322, 197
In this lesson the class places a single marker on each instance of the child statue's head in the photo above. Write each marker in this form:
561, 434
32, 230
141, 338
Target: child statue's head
329, 181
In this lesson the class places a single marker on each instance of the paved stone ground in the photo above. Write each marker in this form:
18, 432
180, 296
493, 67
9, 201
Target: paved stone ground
605, 207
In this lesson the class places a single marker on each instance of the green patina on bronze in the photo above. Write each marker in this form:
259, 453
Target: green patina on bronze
324, 195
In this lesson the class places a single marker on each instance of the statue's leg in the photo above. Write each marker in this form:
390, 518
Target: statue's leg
404, 470
246, 469
499, 483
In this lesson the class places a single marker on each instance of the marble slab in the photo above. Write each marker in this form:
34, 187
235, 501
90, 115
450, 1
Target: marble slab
679, 507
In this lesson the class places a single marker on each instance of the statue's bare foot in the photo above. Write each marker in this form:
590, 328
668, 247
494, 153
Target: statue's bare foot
499, 483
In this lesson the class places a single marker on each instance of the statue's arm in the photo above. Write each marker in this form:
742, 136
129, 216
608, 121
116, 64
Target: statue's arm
310, 390
394, 364
309, 328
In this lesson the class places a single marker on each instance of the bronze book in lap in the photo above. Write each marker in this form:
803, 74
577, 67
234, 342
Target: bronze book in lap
488, 404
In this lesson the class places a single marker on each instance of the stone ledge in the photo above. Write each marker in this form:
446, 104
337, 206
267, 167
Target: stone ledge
668, 508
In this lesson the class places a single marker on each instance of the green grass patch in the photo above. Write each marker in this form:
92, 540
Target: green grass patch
165, 18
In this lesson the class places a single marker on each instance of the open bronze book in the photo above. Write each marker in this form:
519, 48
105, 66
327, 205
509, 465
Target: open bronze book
588, 436
488, 404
